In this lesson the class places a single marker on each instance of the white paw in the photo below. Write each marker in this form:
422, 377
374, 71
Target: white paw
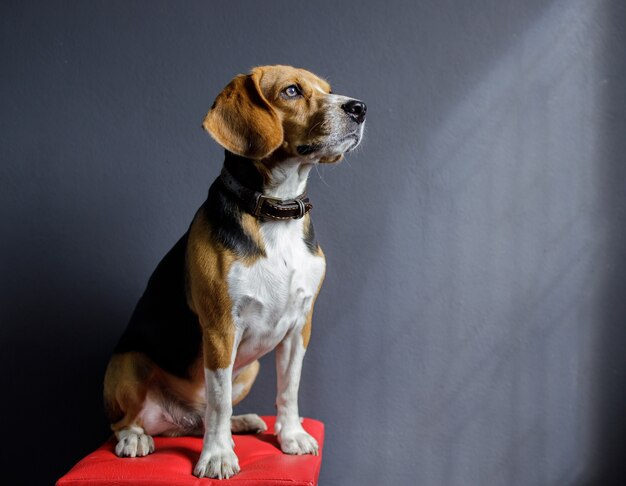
220, 463
297, 441
133, 444
250, 422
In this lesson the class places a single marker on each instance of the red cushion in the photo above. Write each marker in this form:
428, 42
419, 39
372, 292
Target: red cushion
260, 458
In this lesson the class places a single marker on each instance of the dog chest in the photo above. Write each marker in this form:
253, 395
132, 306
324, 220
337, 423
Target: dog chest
274, 295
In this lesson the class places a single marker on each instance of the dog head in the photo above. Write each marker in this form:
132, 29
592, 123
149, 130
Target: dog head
287, 111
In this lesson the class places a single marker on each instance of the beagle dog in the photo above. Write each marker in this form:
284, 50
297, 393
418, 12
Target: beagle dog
240, 282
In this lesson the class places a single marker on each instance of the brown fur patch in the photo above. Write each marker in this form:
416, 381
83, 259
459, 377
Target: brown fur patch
252, 228
208, 266
126, 383
246, 378
190, 391
242, 120
306, 329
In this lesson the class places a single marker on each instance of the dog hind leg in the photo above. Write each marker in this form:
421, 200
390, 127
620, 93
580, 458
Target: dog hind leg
250, 422
125, 389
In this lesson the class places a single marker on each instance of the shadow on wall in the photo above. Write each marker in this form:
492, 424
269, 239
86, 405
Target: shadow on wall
53, 380
60, 303
609, 421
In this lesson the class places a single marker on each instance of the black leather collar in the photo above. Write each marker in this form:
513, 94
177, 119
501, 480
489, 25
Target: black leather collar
262, 206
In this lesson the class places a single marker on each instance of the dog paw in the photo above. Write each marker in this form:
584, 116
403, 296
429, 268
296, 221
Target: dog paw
251, 422
217, 463
297, 442
133, 444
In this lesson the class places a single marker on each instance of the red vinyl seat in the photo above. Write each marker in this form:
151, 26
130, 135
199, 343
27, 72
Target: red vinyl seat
260, 458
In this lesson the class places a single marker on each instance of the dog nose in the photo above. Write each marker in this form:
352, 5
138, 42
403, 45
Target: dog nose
356, 109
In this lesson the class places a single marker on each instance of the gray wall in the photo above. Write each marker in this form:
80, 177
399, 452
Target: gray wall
471, 327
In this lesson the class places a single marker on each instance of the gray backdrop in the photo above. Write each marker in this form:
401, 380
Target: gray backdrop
471, 327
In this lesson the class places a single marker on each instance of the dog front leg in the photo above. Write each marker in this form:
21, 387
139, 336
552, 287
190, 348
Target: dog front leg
218, 459
292, 437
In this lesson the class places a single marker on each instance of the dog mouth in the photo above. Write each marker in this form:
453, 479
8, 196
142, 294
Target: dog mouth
332, 143
356, 139
307, 149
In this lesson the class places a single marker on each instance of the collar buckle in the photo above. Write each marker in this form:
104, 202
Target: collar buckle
301, 209
260, 201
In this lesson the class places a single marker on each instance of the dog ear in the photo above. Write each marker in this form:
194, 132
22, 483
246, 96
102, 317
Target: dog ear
242, 120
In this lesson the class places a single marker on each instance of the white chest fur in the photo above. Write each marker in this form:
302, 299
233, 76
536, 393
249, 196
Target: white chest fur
274, 295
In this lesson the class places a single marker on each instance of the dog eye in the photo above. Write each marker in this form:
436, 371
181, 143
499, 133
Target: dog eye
292, 91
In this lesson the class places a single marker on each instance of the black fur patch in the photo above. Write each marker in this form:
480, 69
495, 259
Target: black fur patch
244, 171
222, 209
162, 325
224, 215
305, 149
309, 238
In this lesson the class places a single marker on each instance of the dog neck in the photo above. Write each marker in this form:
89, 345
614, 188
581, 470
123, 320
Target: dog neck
266, 189
286, 179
